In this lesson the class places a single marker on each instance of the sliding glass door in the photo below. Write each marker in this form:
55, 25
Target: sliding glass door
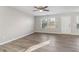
48, 24
65, 24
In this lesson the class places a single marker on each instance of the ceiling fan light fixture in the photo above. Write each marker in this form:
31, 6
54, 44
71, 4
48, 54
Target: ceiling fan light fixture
40, 10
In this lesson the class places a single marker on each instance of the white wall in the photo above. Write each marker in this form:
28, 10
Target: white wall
14, 24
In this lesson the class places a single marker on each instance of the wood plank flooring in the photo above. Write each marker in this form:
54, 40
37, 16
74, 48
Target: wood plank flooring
58, 43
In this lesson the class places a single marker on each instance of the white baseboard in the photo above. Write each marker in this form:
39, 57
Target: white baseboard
15, 38
57, 33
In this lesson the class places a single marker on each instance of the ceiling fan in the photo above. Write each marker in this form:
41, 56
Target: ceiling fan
41, 8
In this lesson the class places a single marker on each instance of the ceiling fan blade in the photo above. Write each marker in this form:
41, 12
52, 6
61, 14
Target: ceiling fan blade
35, 6
45, 10
45, 6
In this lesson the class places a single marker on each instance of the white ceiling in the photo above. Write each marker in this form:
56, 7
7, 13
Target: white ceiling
53, 9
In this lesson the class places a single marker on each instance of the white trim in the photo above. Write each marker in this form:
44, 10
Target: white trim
56, 33
15, 38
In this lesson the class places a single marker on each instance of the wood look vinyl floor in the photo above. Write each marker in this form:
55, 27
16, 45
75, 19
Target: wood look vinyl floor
58, 43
